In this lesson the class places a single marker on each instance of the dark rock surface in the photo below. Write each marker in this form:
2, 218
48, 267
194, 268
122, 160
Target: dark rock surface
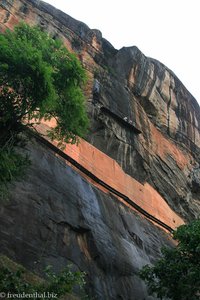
56, 217
143, 117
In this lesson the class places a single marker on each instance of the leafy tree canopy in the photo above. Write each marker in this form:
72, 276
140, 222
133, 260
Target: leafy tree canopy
39, 78
177, 274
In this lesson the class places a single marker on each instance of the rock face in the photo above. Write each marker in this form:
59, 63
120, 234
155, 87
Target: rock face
56, 217
141, 114
144, 118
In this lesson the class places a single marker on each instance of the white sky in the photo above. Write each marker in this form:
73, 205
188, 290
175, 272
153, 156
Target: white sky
167, 30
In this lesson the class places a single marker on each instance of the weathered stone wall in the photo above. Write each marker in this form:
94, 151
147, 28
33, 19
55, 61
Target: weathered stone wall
108, 171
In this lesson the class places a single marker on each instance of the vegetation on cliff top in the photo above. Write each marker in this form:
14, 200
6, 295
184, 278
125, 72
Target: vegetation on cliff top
39, 78
177, 274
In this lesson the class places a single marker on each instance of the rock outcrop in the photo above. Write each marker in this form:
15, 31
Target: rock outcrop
144, 118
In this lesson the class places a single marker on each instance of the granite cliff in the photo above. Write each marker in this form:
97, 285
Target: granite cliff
141, 116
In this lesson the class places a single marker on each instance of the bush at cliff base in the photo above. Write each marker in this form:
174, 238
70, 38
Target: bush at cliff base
18, 282
177, 274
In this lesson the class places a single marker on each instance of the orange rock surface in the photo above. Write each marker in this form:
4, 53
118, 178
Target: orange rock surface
109, 171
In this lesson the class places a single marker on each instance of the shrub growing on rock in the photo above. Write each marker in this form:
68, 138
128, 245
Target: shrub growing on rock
177, 274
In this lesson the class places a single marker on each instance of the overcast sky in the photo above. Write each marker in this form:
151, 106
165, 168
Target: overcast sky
167, 30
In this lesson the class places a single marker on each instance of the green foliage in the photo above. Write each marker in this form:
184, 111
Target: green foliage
65, 281
39, 78
16, 281
177, 274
